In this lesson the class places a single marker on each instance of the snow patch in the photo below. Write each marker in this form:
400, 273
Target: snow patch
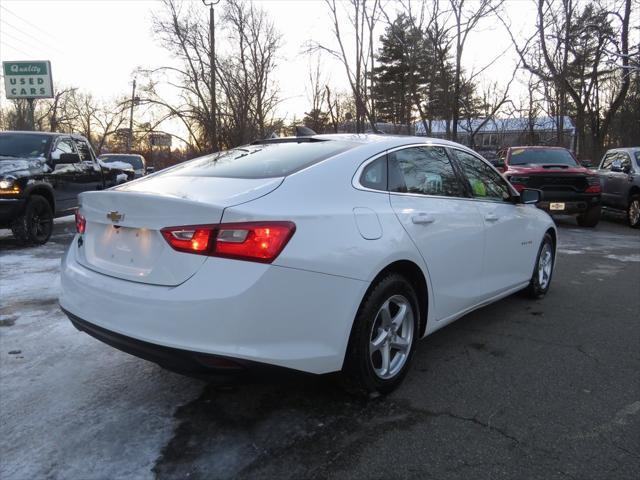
634, 257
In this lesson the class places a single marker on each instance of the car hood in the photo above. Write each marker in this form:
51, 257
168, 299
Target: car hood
22, 167
546, 169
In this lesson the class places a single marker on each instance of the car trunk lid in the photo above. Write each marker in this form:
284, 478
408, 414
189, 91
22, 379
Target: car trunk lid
122, 236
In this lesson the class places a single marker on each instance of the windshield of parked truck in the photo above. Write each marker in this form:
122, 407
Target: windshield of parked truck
24, 145
541, 156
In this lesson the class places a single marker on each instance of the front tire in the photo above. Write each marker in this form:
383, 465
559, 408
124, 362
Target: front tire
633, 211
590, 218
383, 336
35, 225
543, 271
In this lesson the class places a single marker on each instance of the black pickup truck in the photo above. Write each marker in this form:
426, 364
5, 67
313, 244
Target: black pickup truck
41, 175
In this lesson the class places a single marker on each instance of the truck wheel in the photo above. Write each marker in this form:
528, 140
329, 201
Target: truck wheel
35, 225
633, 211
590, 218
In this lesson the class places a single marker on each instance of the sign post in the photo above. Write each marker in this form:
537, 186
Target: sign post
28, 80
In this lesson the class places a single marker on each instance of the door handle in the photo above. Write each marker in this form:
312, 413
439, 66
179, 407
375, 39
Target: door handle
491, 217
423, 218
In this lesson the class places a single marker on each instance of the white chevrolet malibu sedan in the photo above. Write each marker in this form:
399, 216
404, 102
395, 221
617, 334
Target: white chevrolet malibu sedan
318, 254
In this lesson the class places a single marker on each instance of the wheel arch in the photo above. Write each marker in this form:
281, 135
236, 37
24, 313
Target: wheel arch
43, 191
414, 274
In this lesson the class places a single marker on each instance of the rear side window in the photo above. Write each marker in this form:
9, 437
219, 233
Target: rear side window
261, 161
374, 176
423, 170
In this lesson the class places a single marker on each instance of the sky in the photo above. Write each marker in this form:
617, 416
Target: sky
96, 45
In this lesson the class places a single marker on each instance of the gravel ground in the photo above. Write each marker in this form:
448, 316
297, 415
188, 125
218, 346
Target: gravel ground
519, 389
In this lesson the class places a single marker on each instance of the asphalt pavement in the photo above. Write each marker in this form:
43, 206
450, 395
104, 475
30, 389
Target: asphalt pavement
519, 389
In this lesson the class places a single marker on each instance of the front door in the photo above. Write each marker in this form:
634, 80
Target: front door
511, 242
615, 177
430, 201
64, 177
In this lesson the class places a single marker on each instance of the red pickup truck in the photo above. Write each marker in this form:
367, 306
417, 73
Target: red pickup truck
567, 186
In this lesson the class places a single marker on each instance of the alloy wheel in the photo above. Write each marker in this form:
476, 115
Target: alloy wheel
391, 337
545, 266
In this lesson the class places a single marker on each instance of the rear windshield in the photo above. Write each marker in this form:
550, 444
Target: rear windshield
135, 162
261, 161
523, 156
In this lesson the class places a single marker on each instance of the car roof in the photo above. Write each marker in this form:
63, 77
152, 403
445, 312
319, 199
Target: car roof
624, 149
48, 134
383, 142
113, 154
537, 147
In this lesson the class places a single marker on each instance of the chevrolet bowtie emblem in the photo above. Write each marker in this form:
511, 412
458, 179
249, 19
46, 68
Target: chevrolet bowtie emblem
115, 216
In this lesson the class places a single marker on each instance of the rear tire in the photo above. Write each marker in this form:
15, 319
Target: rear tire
543, 271
633, 211
590, 218
35, 225
383, 336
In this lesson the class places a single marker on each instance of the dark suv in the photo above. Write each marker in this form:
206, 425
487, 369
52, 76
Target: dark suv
567, 186
620, 177
41, 175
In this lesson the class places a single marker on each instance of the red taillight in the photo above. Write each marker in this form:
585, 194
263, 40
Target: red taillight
594, 189
255, 241
194, 239
81, 223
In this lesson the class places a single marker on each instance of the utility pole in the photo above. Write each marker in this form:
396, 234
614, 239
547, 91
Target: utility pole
32, 118
213, 137
133, 101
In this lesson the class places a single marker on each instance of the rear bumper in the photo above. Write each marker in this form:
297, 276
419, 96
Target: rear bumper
573, 203
242, 312
212, 367
10, 209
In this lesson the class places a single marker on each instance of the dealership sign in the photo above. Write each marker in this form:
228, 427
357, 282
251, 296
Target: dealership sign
27, 79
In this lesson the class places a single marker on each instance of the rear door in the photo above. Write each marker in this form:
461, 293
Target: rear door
430, 201
509, 229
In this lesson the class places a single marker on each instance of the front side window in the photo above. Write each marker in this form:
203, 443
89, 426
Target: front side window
84, 150
423, 170
63, 146
608, 160
485, 183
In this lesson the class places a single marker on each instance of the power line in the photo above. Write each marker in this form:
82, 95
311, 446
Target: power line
40, 43
39, 28
16, 49
27, 43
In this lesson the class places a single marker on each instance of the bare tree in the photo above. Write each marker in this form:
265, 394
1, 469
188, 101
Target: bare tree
363, 16
583, 50
467, 16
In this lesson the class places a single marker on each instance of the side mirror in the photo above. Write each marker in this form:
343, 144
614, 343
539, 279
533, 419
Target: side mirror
586, 163
530, 196
68, 158
150, 170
